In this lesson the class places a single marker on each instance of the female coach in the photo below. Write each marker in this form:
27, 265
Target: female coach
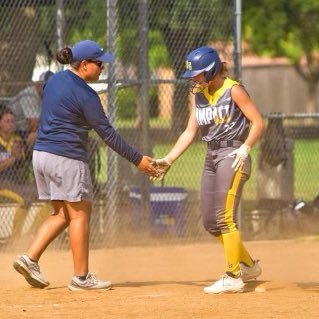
70, 108
230, 125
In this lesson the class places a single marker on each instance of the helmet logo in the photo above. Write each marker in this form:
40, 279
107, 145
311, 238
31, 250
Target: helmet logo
189, 65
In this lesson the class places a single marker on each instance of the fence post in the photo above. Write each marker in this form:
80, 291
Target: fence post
144, 102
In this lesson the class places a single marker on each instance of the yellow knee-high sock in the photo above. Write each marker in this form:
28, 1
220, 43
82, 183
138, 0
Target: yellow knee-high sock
244, 255
232, 245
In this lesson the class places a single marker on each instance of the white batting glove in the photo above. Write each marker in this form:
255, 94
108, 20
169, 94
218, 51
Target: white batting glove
240, 155
162, 165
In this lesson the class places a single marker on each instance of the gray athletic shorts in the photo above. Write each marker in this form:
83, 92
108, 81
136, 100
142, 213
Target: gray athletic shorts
61, 178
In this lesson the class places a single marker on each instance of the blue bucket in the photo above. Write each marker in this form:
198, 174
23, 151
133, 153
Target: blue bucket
167, 209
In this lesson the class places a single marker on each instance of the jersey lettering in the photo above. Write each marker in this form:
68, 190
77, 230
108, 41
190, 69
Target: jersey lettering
218, 115
229, 126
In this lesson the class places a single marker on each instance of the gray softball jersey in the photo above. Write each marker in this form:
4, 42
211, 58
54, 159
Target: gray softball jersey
218, 116
224, 127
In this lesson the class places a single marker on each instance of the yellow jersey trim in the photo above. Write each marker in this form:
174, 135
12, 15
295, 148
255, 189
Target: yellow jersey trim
212, 99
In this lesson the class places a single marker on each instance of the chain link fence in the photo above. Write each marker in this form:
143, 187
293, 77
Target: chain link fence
143, 96
281, 199
145, 99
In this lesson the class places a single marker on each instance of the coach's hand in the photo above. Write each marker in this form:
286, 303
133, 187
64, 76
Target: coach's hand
146, 165
240, 155
162, 165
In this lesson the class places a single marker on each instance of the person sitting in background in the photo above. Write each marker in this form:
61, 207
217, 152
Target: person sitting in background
13, 186
26, 108
11, 164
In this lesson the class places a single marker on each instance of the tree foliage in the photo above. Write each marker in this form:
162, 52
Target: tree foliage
175, 28
184, 26
287, 28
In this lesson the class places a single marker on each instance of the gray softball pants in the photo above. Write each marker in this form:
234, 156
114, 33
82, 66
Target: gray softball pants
221, 190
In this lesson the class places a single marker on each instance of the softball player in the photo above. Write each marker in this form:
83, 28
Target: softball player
70, 108
230, 125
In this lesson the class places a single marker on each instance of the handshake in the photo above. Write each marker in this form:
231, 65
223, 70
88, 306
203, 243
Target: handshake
162, 165
159, 167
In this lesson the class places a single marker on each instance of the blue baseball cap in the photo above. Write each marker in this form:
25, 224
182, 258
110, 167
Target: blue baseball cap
90, 50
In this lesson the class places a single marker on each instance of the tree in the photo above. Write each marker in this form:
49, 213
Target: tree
175, 28
287, 28
27, 29
184, 26
18, 46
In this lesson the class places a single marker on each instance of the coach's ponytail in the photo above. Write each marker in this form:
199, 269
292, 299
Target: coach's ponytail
64, 56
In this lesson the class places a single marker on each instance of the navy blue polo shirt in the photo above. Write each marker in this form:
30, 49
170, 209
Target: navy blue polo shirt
70, 108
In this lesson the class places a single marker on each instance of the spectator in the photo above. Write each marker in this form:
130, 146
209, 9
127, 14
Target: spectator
12, 170
11, 164
26, 108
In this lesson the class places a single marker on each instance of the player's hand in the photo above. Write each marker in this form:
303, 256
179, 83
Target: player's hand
162, 165
146, 165
240, 155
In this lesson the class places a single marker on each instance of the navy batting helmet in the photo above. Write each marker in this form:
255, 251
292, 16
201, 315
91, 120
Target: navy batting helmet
203, 60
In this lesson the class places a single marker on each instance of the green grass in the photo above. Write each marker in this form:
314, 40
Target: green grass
306, 179
186, 171
153, 123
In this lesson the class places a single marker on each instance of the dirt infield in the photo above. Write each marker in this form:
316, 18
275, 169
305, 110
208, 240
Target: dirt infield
166, 282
